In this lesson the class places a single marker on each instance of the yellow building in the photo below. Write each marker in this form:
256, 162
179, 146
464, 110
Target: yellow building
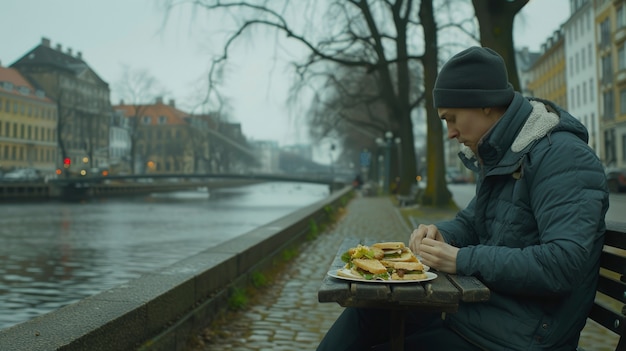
28, 125
547, 73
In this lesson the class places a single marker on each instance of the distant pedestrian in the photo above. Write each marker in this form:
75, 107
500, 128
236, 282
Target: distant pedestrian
357, 182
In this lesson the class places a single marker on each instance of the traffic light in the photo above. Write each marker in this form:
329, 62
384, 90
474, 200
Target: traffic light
67, 162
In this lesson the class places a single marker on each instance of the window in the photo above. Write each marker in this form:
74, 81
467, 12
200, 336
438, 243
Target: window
590, 53
622, 102
584, 92
592, 123
607, 103
619, 17
591, 90
621, 58
605, 33
582, 58
607, 71
146, 120
623, 147
162, 120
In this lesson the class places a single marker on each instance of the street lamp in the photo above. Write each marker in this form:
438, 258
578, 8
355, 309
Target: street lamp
398, 142
332, 162
387, 145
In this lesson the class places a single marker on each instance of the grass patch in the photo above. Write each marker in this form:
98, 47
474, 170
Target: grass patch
313, 230
259, 279
238, 299
289, 254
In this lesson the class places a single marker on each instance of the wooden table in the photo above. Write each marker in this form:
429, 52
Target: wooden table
442, 294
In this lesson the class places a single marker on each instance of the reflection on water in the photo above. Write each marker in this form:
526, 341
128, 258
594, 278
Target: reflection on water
54, 254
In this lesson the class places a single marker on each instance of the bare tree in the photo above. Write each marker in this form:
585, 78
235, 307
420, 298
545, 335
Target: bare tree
138, 89
384, 39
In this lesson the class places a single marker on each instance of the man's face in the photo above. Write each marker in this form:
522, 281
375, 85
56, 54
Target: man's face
468, 125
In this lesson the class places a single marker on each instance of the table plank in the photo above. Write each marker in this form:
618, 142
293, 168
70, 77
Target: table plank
472, 289
333, 290
370, 291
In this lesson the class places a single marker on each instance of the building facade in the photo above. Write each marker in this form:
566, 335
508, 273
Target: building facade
28, 125
83, 102
119, 143
580, 44
161, 139
547, 74
611, 55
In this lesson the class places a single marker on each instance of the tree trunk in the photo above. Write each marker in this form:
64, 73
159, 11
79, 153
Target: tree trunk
495, 18
436, 193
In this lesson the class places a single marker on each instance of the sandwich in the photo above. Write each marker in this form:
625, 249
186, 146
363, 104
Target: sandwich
408, 271
395, 251
363, 268
362, 251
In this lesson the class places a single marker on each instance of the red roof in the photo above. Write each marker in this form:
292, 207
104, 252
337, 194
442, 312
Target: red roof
154, 111
20, 85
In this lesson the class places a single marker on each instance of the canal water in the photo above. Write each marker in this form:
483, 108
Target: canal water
56, 253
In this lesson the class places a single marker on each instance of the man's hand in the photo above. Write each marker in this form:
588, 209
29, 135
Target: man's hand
423, 231
438, 254
427, 242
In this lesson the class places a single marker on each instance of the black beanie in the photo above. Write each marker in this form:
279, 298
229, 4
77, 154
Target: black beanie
475, 77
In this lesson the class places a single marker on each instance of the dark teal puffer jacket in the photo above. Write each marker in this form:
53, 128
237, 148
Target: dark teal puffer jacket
533, 232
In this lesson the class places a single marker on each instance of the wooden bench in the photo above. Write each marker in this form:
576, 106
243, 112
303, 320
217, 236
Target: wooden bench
410, 198
608, 309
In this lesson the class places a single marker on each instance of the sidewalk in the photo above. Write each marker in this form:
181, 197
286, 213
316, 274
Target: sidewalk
288, 315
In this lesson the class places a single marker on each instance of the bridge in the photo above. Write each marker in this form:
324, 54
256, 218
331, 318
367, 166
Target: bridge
120, 185
316, 178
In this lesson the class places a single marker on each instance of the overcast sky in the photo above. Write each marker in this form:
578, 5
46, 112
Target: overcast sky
113, 33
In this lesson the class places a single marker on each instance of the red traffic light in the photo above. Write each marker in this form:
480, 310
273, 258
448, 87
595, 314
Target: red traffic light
67, 162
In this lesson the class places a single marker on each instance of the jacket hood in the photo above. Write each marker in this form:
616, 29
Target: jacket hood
524, 122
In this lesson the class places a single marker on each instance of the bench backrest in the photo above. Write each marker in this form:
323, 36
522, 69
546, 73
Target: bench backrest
608, 309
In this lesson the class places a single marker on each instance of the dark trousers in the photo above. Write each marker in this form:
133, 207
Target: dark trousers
359, 329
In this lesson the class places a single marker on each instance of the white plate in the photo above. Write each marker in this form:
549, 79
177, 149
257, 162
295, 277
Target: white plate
429, 276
